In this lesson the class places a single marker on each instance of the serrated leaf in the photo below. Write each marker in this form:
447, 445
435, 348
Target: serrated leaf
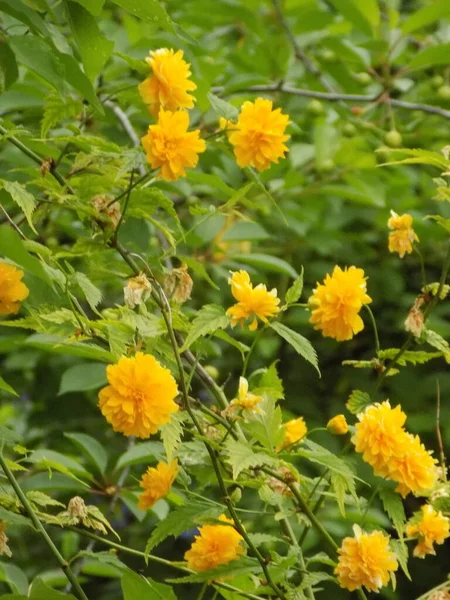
358, 401
171, 434
14, 518
42, 499
401, 551
182, 519
321, 456
12, 246
266, 426
91, 292
57, 108
270, 383
414, 357
222, 108
240, 456
295, 291
434, 339
151, 11
22, 198
263, 538
300, 344
145, 202
418, 156
393, 506
9, 437
209, 319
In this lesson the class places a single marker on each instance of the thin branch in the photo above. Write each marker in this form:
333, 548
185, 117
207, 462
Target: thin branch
126, 124
14, 225
438, 431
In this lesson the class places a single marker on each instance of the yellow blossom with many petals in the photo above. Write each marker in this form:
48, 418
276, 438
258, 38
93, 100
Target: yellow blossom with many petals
12, 289
294, 431
139, 397
169, 85
432, 528
403, 236
338, 425
365, 560
415, 470
215, 545
253, 302
260, 135
170, 146
337, 302
156, 483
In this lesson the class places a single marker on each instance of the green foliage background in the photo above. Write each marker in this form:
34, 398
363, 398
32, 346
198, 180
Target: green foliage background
65, 66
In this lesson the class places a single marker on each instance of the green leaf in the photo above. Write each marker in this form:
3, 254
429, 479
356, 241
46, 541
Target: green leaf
417, 156
12, 246
14, 577
267, 262
58, 345
270, 383
434, 55
42, 499
138, 587
78, 80
56, 109
358, 402
147, 201
151, 11
321, 456
295, 291
434, 339
9, 72
363, 14
41, 591
91, 292
444, 223
234, 568
93, 6
21, 197
25, 14
94, 48
9, 437
171, 434
266, 427
15, 519
6, 387
209, 319
401, 551
80, 378
436, 10
181, 519
92, 448
223, 108
414, 357
53, 458
393, 506
144, 452
37, 56
300, 344
245, 230
240, 456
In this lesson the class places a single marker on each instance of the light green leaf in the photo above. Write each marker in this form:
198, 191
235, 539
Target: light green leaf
15, 519
41, 499
444, 223
93, 6
78, 80
183, 518
434, 55
414, 357
94, 48
401, 551
222, 108
6, 387
92, 448
13, 247
14, 577
436, 10
434, 339
144, 452
245, 230
21, 197
417, 156
58, 345
266, 262
321, 456
393, 506
363, 14
270, 383
266, 427
25, 14
56, 109
358, 402
53, 458
240, 456
295, 291
92, 294
209, 319
151, 11
36, 55
41, 591
171, 434
300, 344
138, 587
147, 201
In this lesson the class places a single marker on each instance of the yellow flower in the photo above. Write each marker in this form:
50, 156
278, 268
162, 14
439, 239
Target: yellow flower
169, 84
215, 545
294, 431
259, 139
415, 470
380, 435
246, 402
365, 560
432, 528
338, 425
252, 302
226, 124
403, 236
170, 145
156, 483
139, 397
336, 303
12, 290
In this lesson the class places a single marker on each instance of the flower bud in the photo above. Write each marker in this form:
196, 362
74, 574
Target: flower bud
137, 290
178, 284
338, 425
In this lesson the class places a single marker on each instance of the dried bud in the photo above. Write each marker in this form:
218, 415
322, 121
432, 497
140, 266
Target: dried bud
77, 508
137, 290
178, 284
102, 204
282, 487
414, 322
338, 425
443, 594
4, 548
47, 165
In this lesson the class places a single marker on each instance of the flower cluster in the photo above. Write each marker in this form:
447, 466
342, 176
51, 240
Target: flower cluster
139, 397
12, 289
156, 483
336, 303
392, 452
365, 560
215, 545
252, 302
403, 236
429, 529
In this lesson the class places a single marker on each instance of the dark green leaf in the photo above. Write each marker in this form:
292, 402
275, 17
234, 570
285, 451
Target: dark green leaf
434, 55
138, 587
41, 591
92, 448
12, 246
300, 344
8, 67
438, 9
